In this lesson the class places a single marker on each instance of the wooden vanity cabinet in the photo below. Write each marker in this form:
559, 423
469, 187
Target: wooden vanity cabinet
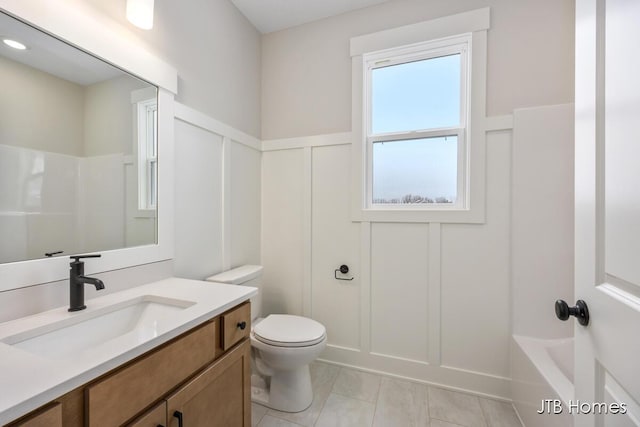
201, 375
220, 396
66, 411
49, 416
155, 417
118, 397
217, 397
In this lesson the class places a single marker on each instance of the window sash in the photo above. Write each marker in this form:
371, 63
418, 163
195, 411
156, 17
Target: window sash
147, 154
461, 183
421, 51
457, 45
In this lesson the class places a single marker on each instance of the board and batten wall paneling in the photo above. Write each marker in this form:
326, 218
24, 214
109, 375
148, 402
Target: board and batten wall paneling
334, 241
217, 195
542, 236
418, 305
475, 299
282, 231
244, 213
198, 202
399, 290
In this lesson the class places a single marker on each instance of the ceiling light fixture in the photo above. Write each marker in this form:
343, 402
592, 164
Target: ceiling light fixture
14, 44
140, 13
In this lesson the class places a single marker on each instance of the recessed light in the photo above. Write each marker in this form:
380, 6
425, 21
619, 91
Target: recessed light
14, 44
140, 13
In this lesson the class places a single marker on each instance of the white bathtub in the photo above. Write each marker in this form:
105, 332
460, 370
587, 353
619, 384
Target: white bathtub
541, 369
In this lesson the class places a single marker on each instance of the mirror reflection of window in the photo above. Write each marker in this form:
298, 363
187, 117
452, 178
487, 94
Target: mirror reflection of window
69, 144
147, 148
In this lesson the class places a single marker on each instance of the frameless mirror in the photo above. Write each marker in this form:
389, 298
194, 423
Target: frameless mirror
78, 150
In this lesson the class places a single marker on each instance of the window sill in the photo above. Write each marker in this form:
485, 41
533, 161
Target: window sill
452, 216
145, 213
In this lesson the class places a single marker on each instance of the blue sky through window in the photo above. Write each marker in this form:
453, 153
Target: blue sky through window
426, 168
416, 95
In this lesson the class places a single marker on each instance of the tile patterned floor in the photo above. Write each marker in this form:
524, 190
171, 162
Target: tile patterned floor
350, 398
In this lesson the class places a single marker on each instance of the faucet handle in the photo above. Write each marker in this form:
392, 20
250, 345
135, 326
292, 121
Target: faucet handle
77, 258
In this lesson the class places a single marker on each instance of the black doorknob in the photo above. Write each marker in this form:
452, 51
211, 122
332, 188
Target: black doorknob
580, 311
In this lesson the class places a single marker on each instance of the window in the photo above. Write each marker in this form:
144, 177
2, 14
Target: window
418, 121
147, 116
416, 115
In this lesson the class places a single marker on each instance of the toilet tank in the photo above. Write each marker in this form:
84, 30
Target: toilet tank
246, 275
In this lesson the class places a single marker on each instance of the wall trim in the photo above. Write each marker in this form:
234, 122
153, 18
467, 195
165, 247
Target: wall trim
307, 141
201, 120
498, 123
307, 232
365, 286
434, 290
477, 383
226, 203
467, 22
343, 348
492, 124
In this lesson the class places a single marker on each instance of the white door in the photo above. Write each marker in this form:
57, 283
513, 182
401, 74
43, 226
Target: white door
607, 211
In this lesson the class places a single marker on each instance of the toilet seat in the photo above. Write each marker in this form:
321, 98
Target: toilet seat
284, 330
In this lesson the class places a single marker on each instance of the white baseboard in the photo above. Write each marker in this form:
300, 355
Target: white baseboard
450, 378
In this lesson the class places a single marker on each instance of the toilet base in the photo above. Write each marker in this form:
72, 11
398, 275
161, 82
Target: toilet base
286, 391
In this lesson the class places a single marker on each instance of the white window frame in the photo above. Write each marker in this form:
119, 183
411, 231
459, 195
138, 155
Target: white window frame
145, 102
419, 52
440, 34
147, 155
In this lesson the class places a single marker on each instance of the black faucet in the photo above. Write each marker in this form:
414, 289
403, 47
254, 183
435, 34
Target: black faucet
77, 279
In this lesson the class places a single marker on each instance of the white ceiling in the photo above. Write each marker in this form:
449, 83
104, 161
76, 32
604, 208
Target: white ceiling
273, 15
51, 55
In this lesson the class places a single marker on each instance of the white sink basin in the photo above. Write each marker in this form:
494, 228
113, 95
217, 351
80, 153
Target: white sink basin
85, 330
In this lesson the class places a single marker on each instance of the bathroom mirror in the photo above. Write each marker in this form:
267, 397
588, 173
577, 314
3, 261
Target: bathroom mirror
78, 150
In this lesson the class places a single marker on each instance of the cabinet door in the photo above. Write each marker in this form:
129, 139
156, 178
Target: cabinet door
120, 396
219, 396
155, 417
48, 417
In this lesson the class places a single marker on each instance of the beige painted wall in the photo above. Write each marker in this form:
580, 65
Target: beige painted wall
108, 103
40, 111
108, 119
215, 50
306, 70
44, 112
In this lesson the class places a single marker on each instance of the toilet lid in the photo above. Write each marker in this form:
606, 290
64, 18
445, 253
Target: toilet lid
285, 330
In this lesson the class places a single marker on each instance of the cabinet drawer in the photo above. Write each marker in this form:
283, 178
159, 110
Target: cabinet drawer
155, 417
235, 325
48, 417
123, 394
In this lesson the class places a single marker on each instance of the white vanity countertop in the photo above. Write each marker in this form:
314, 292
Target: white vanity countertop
28, 381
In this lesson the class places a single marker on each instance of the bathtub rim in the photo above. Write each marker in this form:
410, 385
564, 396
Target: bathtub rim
536, 349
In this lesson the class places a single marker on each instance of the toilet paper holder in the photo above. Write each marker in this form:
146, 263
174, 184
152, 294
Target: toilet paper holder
344, 269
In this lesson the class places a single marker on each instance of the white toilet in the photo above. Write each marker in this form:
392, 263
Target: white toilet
282, 348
